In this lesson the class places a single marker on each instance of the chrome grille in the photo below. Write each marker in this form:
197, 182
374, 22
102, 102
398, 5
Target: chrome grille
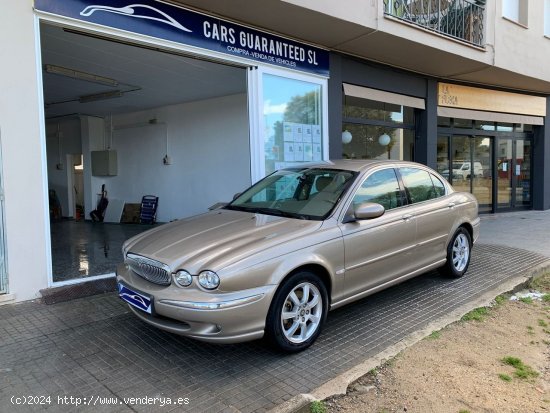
153, 271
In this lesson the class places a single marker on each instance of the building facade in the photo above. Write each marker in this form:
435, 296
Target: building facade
195, 100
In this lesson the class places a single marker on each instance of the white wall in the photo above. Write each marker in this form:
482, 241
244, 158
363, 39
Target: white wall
523, 49
208, 143
71, 143
24, 180
92, 132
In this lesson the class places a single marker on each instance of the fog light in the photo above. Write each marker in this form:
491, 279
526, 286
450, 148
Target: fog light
183, 278
209, 280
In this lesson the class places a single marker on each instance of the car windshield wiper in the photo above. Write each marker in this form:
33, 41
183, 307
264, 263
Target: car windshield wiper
271, 211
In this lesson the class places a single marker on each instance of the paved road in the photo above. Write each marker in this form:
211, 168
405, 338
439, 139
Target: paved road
93, 347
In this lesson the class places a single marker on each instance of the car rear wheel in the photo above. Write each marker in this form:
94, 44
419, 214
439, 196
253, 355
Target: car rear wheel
458, 254
297, 313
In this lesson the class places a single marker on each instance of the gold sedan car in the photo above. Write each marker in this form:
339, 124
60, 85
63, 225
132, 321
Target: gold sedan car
296, 244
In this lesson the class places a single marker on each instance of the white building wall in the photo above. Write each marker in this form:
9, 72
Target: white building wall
24, 178
58, 147
208, 144
93, 139
523, 49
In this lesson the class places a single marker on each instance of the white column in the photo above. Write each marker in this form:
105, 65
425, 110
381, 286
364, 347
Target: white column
24, 156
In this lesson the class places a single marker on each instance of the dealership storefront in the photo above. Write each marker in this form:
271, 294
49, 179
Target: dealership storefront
198, 107
231, 104
286, 80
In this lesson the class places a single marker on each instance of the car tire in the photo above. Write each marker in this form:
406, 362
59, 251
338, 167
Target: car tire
459, 252
294, 320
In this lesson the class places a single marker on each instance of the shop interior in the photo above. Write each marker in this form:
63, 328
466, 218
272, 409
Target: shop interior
125, 121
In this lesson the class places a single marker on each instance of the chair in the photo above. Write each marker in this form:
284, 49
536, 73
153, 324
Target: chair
148, 209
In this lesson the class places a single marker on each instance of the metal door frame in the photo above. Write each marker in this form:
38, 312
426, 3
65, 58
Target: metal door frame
513, 201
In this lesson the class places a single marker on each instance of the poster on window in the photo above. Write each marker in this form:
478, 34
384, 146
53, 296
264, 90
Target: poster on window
317, 153
298, 132
316, 133
307, 135
288, 131
289, 152
308, 152
299, 152
302, 142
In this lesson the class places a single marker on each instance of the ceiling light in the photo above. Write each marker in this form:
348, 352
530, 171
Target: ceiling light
77, 74
101, 96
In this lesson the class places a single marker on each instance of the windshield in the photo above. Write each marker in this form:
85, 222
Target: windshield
296, 193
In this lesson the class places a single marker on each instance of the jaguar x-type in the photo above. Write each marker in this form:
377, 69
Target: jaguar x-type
298, 243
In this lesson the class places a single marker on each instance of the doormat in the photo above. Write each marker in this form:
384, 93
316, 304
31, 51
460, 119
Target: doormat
85, 289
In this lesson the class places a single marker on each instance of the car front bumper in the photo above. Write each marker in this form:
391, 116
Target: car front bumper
208, 316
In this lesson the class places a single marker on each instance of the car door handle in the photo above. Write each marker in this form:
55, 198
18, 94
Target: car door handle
407, 217
451, 205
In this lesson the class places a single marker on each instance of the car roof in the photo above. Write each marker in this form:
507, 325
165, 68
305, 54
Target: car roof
360, 165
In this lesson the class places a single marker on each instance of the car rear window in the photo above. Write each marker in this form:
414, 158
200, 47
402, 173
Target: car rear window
418, 184
438, 186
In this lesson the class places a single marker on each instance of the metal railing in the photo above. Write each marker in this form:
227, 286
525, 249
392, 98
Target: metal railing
460, 19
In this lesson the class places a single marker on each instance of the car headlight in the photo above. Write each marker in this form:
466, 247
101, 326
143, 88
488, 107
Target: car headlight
183, 278
209, 280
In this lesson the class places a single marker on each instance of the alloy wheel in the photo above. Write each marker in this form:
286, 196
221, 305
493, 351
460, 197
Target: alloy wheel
461, 252
302, 312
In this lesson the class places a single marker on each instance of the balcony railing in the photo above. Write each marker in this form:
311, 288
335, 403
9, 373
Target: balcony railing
460, 19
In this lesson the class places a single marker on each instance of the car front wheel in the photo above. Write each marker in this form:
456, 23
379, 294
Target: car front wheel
458, 254
297, 312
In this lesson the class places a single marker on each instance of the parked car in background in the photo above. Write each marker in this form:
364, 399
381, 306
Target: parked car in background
295, 245
463, 170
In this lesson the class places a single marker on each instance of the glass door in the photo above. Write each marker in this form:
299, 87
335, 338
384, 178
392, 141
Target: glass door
522, 173
504, 167
482, 172
514, 173
472, 168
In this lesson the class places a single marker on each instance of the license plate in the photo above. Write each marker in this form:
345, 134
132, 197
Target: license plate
138, 300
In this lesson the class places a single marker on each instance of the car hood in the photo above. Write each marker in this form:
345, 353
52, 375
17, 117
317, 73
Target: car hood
217, 239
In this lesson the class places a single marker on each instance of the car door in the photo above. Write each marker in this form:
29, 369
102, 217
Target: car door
378, 250
434, 213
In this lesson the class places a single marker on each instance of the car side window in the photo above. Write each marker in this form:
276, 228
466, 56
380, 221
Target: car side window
381, 187
418, 184
438, 186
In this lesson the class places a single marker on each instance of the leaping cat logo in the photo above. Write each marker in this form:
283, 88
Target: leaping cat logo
139, 11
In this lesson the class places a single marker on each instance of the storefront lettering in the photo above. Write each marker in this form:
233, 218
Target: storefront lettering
445, 97
173, 23
257, 46
219, 32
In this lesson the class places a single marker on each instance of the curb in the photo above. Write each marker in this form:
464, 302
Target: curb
338, 386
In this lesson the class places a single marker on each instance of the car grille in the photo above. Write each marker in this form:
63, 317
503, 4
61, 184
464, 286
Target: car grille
153, 271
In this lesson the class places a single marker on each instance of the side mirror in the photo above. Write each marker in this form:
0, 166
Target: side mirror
368, 210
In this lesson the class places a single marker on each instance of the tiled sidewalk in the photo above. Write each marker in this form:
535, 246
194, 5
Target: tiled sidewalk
94, 347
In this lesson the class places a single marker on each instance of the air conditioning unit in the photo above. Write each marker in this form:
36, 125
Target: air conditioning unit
104, 163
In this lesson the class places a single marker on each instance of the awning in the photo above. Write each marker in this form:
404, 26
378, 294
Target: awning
382, 96
489, 116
